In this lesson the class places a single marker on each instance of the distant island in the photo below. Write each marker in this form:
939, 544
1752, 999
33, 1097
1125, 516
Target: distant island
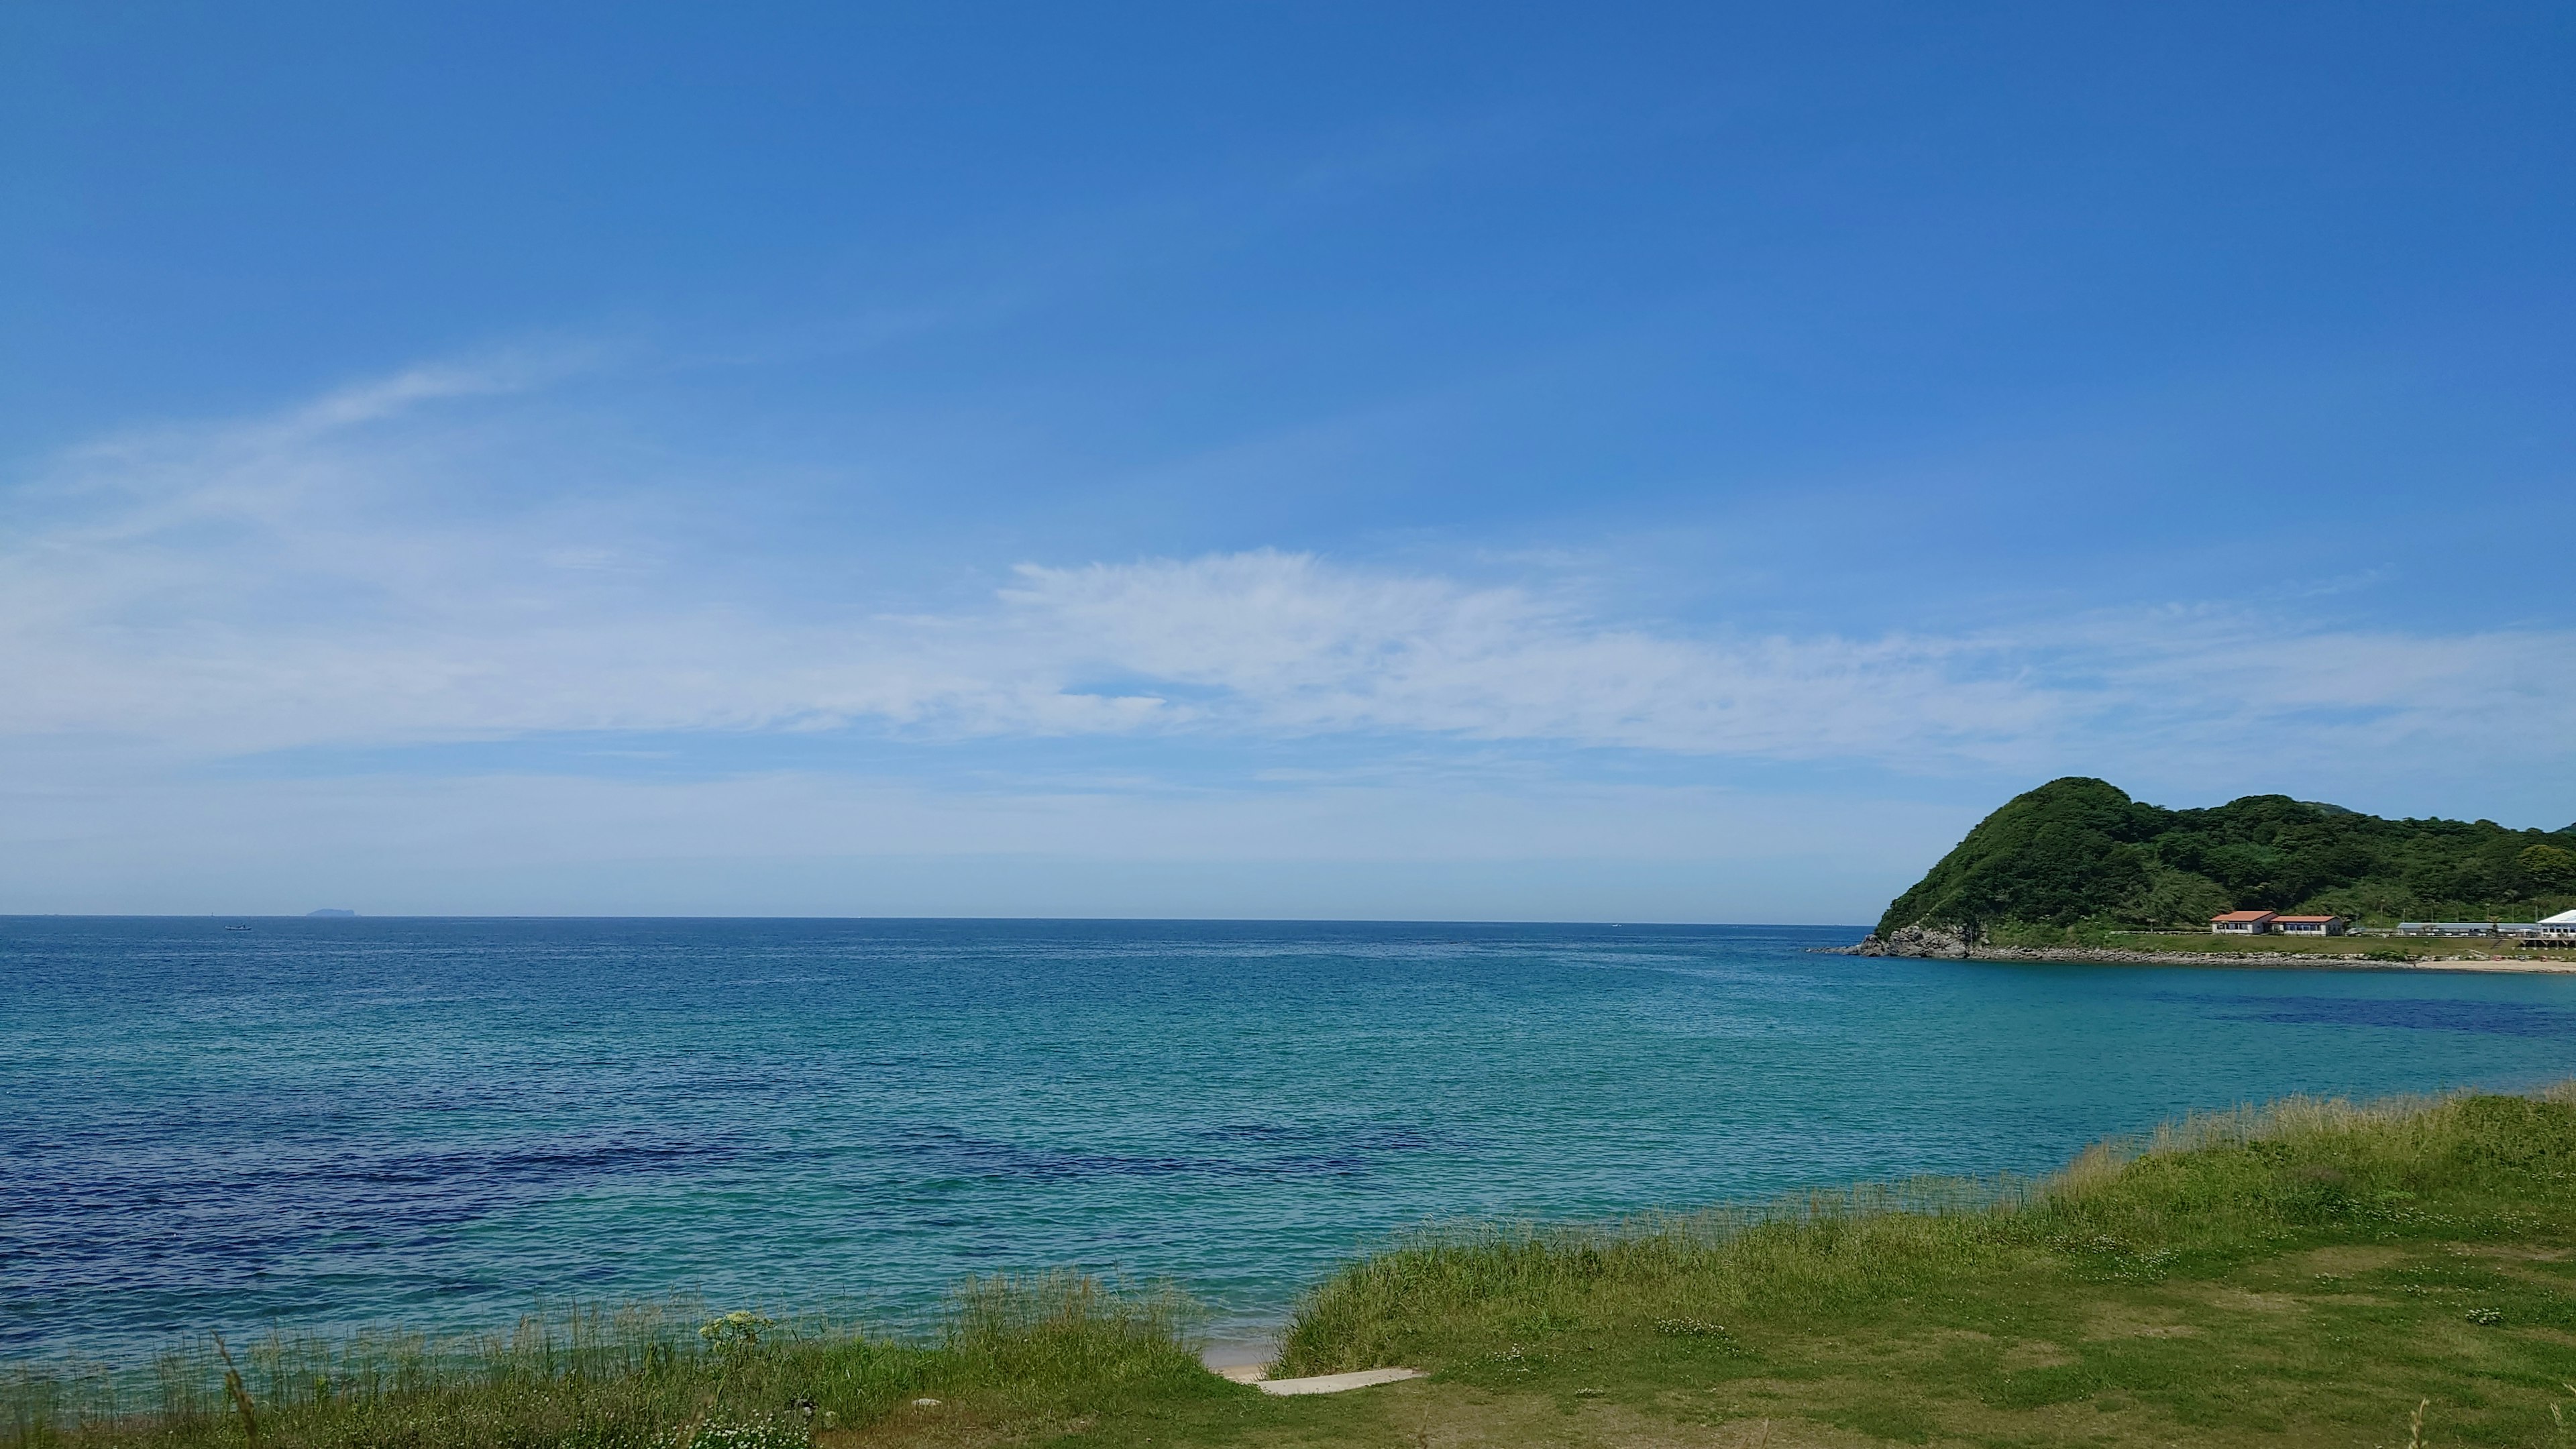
2077, 864
330, 912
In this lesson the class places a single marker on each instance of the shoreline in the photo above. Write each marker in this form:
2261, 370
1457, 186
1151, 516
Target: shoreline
2256, 960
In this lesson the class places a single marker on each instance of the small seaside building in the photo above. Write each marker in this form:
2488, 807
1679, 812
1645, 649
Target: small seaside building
2466, 928
2309, 925
2557, 930
2242, 923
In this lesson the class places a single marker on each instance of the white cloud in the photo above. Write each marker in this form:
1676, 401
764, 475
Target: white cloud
401, 564
313, 579
1289, 642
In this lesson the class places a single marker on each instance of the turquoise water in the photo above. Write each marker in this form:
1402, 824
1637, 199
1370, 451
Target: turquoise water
328, 1123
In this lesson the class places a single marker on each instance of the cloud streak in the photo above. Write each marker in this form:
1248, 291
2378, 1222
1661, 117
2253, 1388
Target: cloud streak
306, 580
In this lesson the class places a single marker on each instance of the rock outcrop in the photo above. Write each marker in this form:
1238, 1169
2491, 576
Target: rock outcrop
1955, 943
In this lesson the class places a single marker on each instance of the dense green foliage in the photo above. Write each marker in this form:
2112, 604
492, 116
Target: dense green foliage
2081, 851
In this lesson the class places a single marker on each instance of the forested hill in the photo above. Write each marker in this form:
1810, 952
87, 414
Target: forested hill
2078, 851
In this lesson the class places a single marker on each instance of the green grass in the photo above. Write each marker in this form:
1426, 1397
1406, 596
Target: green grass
2307, 1273
1022, 1351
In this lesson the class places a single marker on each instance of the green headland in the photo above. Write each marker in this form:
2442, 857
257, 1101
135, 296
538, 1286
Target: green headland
2308, 1274
2077, 862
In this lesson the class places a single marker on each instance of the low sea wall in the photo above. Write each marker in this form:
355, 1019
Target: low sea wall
1949, 943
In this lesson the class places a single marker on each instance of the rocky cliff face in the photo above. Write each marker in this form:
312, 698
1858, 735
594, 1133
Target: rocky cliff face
1950, 942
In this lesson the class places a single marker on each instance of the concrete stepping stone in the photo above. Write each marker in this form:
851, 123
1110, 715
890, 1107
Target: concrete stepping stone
1335, 1383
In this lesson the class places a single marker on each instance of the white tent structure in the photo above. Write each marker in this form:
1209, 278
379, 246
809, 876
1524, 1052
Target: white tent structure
2557, 928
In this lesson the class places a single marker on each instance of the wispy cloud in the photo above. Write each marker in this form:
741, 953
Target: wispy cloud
1268, 640
301, 580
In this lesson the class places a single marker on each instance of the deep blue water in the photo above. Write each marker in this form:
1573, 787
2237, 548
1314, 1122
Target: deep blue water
335, 1122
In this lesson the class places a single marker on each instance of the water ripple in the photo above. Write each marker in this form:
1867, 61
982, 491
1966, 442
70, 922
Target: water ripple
338, 1122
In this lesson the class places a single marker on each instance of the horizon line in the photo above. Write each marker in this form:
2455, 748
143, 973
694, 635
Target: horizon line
1086, 920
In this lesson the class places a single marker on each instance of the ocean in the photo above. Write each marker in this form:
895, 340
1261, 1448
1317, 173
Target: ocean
324, 1124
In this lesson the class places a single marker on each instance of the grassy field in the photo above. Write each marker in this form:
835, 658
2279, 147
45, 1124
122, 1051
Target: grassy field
2307, 1274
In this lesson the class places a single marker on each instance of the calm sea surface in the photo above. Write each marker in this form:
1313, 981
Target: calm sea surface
335, 1122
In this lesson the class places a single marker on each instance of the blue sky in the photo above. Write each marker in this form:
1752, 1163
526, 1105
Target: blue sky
1671, 463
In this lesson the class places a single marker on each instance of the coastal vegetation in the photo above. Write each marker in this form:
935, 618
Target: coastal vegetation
1022, 1351
2079, 855
2307, 1273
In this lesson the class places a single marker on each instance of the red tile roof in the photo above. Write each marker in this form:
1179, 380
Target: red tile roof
2242, 916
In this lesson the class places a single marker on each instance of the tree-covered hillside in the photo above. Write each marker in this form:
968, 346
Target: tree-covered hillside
2078, 851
